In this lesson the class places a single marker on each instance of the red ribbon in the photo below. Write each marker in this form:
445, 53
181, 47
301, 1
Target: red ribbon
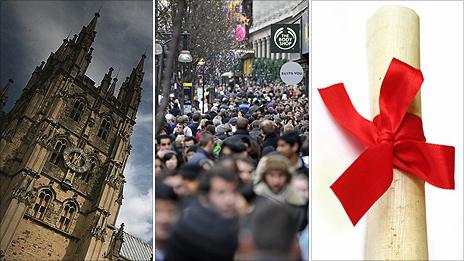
394, 139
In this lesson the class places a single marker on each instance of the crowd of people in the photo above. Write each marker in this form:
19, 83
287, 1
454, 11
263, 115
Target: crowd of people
232, 182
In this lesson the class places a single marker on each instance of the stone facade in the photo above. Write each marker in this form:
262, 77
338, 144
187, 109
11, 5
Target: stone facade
63, 149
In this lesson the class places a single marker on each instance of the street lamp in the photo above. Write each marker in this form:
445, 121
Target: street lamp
202, 63
184, 58
159, 50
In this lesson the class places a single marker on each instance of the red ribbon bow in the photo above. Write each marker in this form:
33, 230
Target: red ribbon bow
395, 139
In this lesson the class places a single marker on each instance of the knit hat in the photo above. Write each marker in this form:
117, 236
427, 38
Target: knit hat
273, 161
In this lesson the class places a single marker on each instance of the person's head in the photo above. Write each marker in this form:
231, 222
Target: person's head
273, 232
211, 129
217, 121
244, 203
203, 123
301, 185
288, 128
189, 141
179, 141
306, 119
169, 118
166, 211
255, 150
163, 130
274, 171
305, 146
207, 141
233, 120
190, 152
196, 117
174, 180
179, 128
242, 123
227, 128
232, 147
289, 144
255, 124
219, 188
158, 166
268, 127
170, 160
246, 166
180, 119
164, 142
190, 174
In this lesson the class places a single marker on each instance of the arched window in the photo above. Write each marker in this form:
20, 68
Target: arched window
67, 216
93, 164
104, 129
77, 109
42, 202
57, 155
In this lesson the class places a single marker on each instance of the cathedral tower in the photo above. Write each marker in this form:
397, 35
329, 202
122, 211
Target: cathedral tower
63, 149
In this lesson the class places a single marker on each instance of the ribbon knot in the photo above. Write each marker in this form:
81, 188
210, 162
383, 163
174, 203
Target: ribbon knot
385, 137
395, 138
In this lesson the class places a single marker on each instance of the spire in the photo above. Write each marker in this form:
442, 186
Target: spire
105, 83
112, 87
93, 24
130, 97
136, 75
79, 55
4, 93
139, 67
62, 47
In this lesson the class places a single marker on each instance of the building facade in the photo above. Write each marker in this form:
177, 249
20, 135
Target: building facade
266, 13
63, 148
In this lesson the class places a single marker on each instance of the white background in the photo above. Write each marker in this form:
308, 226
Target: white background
339, 55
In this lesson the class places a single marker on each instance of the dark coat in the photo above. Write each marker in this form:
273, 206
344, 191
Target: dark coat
270, 140
200, 156
238, 135
194, 127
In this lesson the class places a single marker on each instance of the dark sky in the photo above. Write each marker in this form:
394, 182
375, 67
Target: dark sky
30, 30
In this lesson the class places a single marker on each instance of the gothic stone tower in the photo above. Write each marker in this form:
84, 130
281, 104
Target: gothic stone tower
63, 149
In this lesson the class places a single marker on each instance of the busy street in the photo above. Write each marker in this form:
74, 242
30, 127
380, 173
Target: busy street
232, 138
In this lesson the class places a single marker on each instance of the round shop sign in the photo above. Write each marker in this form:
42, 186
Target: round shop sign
291, 73
285, 38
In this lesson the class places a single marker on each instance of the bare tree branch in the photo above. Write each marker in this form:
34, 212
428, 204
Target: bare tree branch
178, 12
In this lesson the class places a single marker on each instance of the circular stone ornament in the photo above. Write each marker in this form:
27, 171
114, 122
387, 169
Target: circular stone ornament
76, 159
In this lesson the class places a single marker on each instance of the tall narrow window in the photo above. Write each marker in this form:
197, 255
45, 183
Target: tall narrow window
67, 216
104, 129
57, 155
77, 110
41, 203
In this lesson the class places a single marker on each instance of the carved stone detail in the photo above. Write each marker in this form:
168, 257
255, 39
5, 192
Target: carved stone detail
99, 230
46, 136
24, 191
